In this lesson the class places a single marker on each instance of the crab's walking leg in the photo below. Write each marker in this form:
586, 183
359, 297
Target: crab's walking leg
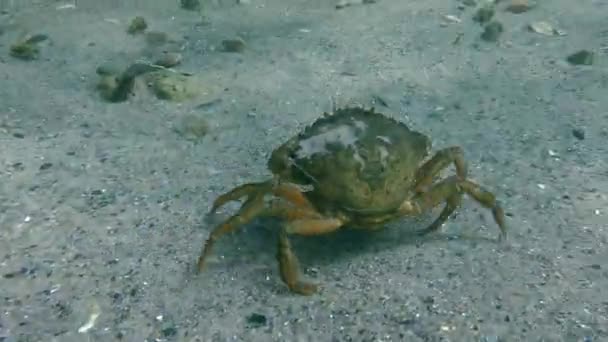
451, 190
289, 267
441, 160
238, 193
286, 191
302, 221
291, 206
249, 210
451, 204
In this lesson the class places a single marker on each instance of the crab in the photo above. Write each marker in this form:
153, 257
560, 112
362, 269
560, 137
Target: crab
353, 167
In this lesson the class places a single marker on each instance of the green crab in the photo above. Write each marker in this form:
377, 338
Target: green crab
354, 167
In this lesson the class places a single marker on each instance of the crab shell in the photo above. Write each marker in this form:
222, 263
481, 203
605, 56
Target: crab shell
355, 161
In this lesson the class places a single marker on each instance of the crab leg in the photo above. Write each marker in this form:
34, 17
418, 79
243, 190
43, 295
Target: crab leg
291, 206
450, 190
238, 193
437, 163
249, 211
286, 191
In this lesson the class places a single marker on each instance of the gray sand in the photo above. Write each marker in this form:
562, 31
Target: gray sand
102, 205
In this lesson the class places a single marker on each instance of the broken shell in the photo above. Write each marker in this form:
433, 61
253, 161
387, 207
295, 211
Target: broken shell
452, 18
545, 28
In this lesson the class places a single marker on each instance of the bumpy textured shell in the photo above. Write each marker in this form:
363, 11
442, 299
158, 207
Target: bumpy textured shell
355, 160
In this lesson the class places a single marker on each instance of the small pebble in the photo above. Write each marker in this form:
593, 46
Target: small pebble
256, 320
233, 45
582, 57
138, 25
191, 5
518, 6
492, 31
484, 14
578, 133
169, 331
46, 166
169, 59
37, 38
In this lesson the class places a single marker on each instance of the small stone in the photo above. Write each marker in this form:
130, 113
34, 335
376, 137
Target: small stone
18, 135
169, 59
257, 320
37, 38
191, 5
484, 14
138, 25
25, 51
46, 166
169, 331
233, 45
578, 133
582, 57
518, 6
492, 31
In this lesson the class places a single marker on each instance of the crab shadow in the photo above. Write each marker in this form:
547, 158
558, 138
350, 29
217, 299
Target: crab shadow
260, 238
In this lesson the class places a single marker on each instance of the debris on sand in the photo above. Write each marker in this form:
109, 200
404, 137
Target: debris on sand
346, 3
27, 48
518, 6
191, 5
173, 86
137, 25
484, 14
492, 31
169, 59
582, 57
95, 312
233, 45
545, 28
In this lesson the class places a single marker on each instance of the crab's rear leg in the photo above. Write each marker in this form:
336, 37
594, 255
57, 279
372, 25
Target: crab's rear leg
450, 190
441, 160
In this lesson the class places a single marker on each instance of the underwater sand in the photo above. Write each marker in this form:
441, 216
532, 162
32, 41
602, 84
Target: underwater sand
102, 205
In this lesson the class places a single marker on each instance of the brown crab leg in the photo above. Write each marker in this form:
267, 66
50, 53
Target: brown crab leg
238, 193
289, 268
450, 190
248, 211
288, 192
302, 220
437, 163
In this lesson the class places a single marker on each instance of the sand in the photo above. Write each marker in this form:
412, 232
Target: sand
102, 205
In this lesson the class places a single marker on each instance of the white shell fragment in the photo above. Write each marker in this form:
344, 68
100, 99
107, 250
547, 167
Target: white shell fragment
545, 28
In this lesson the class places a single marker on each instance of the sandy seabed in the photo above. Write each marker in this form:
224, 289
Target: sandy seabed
102, 205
